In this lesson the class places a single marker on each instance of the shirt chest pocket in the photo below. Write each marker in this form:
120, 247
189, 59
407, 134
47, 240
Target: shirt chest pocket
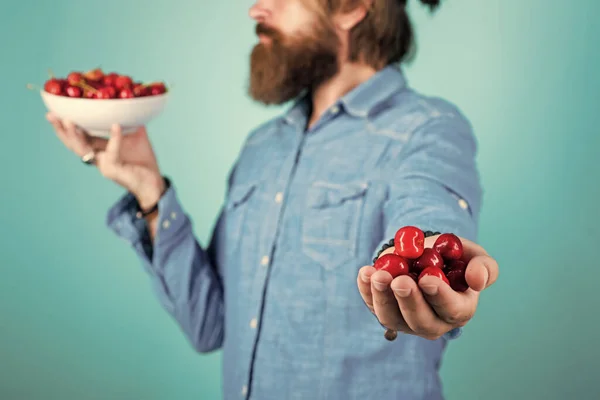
237, 208
331, 222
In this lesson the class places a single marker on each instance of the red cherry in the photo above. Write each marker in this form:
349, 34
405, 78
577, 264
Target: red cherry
75, 78
54, 86
455, 264
95, 85
123, 82
89, 94
429, 258
409, 242
73, 91
434, 271
111, 91
126, 94
157, 89
94, 75
392, 263
110, 79
457, 280
107, 92
414, 276
449, 246
140, 90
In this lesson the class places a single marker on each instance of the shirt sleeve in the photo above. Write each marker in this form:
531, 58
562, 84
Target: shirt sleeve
185, 276
435, 183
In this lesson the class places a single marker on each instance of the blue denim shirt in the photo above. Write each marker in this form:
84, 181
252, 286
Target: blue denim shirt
275, 288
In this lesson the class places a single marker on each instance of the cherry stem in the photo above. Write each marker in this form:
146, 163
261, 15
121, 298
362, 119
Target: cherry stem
85, 86
31, 86
50, 73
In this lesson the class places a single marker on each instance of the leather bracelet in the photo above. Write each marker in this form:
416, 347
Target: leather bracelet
391, 334
144, 213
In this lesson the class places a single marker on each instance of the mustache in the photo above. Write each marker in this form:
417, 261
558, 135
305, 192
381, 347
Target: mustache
263, 29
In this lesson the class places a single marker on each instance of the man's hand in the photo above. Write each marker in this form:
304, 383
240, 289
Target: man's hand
432, 308
128, 160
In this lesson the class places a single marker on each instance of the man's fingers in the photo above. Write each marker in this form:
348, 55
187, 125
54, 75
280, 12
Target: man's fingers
76, 138
417, 313
59, 129
113, 147
384, 302
97, 143
453, 307
472, 249
477, 257
364, 285
481, 273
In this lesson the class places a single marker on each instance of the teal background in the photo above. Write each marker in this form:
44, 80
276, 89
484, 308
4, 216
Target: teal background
78, 319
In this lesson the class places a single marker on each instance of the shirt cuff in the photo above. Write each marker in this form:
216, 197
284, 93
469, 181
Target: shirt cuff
453, 334
123, 221
378, 248
172, 219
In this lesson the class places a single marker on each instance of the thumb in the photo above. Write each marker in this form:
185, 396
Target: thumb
109, 161
141, 132
113, 147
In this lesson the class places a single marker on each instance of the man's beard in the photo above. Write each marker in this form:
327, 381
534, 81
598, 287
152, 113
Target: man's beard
282, 69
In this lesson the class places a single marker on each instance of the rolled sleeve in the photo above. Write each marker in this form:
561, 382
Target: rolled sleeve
184, 276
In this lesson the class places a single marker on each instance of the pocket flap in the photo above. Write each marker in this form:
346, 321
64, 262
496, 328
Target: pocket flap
239, 193
325, 194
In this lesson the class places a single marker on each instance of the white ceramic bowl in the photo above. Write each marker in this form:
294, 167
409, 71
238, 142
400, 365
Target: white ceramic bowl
97, 116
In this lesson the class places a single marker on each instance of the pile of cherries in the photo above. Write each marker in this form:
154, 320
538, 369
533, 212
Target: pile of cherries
410, 257
95, 84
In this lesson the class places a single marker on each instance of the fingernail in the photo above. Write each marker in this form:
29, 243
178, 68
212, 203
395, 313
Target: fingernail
487, 277
379, 286
365, 278
430, 289
403, 292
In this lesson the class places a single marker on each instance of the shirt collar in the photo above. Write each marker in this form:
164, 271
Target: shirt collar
298, 113
359, 101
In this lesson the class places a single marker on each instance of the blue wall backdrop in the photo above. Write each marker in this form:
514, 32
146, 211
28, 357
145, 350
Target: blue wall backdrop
78, 320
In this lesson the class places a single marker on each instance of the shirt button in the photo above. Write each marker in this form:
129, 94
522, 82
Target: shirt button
166, 224
279, 197
253, 323
244, 390
335, 109
463, 204
173, 215
265, 260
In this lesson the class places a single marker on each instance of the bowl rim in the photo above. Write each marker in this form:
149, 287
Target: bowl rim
116, 100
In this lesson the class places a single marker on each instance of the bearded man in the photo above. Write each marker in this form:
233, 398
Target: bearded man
286, 286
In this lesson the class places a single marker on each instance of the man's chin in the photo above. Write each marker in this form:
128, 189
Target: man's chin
264, 40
